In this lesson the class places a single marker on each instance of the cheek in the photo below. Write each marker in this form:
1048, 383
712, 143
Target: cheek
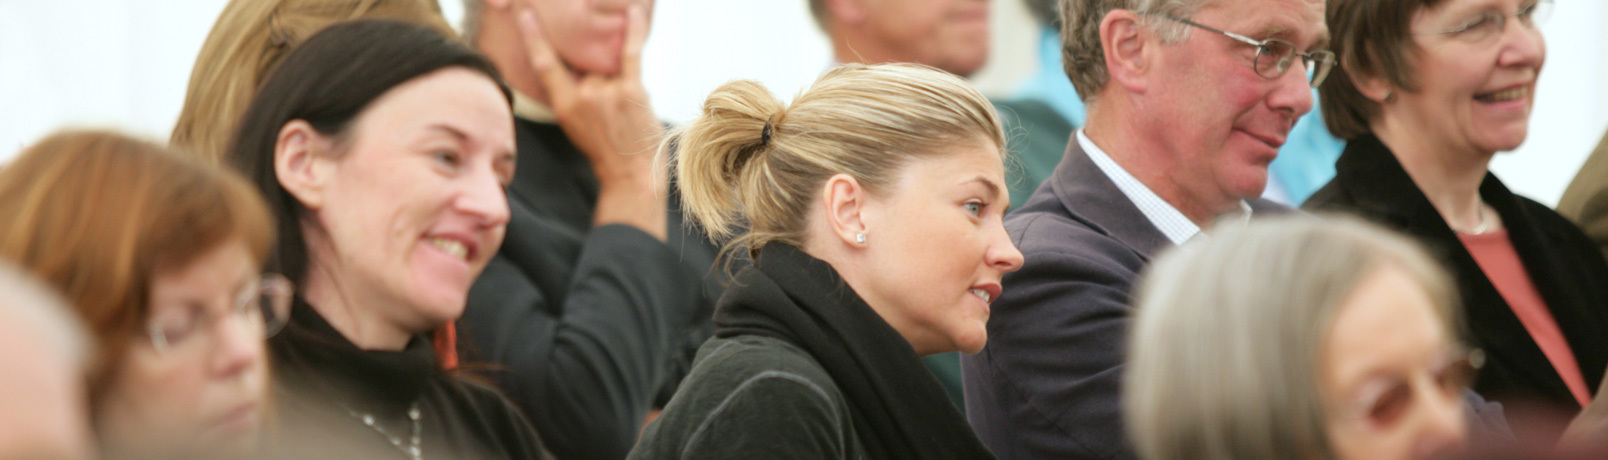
148, 394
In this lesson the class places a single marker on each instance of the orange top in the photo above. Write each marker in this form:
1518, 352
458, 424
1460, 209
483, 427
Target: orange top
1495, 254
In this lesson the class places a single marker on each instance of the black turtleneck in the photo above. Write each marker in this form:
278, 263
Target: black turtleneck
322, 379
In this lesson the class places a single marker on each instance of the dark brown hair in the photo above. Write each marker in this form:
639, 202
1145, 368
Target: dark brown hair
328, 82
98, 214
1371, 38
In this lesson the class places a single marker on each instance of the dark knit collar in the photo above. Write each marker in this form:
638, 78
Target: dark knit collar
899, 409
312, 359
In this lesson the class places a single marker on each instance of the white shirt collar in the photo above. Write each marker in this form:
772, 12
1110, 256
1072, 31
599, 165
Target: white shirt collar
1172, 223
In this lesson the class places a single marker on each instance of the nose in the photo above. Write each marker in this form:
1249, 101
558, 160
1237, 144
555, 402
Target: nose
1002, 253
1442, 429
238, 347
1522, 45
484, 198
1292, 93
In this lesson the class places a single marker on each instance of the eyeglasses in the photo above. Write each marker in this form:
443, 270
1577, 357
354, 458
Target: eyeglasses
1488, 24
1274, 56
1384, 404
261, 307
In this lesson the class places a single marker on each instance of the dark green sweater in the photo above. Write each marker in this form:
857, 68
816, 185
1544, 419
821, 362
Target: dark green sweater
753, 397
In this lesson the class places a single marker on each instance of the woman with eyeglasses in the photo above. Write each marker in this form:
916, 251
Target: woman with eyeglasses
160, 257
1426, 94
383, 149
1297, 338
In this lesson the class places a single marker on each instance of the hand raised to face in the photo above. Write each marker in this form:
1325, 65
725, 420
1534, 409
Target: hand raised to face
608, 118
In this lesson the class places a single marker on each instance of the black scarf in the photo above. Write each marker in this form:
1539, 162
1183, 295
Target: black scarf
313, 360
899, 410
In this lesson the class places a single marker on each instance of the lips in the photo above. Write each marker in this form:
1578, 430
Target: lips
240, 419
453, 245
986, 291
1274, 141
1509, 94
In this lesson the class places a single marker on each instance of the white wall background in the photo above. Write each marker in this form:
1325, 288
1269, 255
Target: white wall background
125, 64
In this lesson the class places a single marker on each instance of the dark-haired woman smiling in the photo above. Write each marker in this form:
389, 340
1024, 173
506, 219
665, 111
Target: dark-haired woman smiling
1427, 93
383, 149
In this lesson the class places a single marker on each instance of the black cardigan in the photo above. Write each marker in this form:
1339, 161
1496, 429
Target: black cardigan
1569, 273
586, 329
320, 375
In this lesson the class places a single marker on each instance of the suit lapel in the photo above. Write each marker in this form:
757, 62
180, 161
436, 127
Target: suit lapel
1092, 198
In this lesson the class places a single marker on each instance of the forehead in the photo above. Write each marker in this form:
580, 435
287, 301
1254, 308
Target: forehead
964, 160
1298, 21
1387, 322
465, 100
1459, 7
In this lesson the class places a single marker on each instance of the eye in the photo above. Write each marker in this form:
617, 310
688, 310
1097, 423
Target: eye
1390, 405
1476, 23
975, 208
173, 329
447, 158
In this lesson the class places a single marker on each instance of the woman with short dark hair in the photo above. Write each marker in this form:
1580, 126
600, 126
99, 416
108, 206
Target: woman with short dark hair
1428, 92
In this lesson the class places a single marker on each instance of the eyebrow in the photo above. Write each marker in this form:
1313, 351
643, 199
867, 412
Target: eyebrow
993, 188
449, 130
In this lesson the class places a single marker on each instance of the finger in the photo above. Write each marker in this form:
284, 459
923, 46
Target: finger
543, 59
636, 35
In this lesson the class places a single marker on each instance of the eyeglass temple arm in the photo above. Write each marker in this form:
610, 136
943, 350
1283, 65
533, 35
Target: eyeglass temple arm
1241, 38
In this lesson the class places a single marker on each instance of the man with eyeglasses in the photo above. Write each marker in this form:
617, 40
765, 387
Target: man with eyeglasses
1187, 103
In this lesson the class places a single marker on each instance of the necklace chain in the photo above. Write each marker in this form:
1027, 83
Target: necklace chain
1484, 225
412, 448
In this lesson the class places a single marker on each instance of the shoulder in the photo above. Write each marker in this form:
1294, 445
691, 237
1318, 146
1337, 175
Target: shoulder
734, 364
1555, 227
752, 397
485, 409
1053, 240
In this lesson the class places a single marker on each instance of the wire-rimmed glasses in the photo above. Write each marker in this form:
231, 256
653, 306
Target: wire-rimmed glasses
262, 306
1274, 56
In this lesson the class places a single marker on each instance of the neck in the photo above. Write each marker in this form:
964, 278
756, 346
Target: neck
849, 264
855, 46
1141, 153
1449, 177
333, 294
502, 44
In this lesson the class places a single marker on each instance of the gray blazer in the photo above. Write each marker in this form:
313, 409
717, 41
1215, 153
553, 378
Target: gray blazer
1046, 386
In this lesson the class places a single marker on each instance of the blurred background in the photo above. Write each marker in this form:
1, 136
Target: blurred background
125, 63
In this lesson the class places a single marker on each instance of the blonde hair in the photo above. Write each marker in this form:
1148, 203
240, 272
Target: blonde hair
750, 158
247, 43
1225, 353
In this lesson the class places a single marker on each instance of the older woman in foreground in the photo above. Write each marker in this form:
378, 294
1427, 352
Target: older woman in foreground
1295, 338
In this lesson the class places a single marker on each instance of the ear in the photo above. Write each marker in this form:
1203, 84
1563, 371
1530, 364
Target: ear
1374, 88
1127, 47
845, 11
845, 202
302, 163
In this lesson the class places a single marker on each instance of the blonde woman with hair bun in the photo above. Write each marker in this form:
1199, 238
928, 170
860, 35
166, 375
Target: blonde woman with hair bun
872, 207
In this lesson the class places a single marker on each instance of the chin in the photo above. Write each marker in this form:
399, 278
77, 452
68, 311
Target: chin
440, 307
972, 344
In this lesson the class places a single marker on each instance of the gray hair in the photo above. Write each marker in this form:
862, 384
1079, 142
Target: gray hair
30, 305
1081, 53
1224, 357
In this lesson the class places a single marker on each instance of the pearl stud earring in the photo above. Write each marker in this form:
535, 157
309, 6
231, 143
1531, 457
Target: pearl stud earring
859, 238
